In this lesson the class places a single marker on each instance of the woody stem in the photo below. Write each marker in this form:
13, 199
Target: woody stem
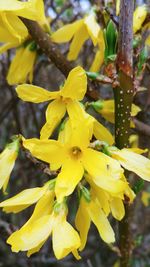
123, 96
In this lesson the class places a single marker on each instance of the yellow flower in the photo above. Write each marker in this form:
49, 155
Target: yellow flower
80, 31
43, 222
74, 156
91, 211
106, 109
22, 65
130, 159
7, 162
145, 198
73, 90
139, 16
99, 57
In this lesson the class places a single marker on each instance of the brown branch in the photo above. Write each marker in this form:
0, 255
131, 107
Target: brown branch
41, 165
123, 100
49, 48
141, 127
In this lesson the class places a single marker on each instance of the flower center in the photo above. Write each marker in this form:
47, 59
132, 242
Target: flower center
76, 151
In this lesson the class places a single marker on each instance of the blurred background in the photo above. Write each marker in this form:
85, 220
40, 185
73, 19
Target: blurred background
26, 118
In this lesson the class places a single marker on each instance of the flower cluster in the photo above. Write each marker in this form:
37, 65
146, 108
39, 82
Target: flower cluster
82, 153
85, 160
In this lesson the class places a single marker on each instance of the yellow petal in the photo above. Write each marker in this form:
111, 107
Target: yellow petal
10, 5
65, 133
145, 198
82, 222
50, 151
54, 113
117, 208
101, 133
36, 249
65, 238
105, 172
21, 66
7, 46
14, 26
23, 199
7, 162
32, 235
108, 110
138, 17
68, 178
102, 196
97, 62
117, 7
135, 110
92, 27
133, 162
99, 57
79, 39
34, 93
81, 125
76, 84
65, 33
33, 10
100, 220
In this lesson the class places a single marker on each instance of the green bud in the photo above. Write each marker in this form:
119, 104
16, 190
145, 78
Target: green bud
97, 105
111, 38
92, 75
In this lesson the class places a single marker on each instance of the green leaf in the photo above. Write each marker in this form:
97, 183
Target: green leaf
138, 186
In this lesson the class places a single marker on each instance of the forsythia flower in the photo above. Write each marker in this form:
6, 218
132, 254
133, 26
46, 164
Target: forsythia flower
130, 159
74, 156
7, 162
80, 31
73, 90
44, 221
107, 110
99, 57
